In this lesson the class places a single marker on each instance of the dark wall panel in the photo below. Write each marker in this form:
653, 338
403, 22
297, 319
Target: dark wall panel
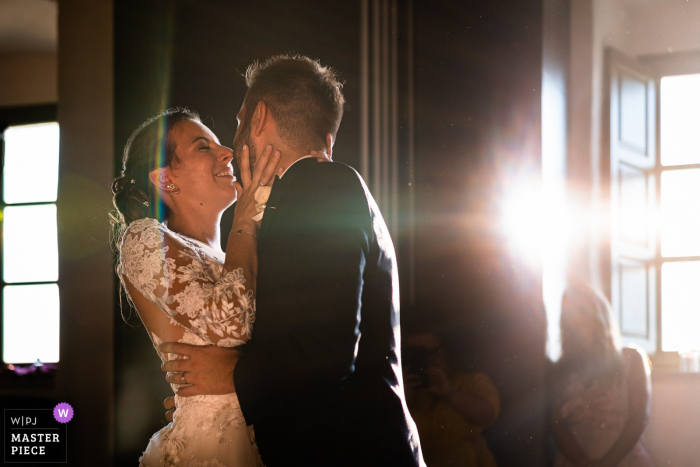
478, 71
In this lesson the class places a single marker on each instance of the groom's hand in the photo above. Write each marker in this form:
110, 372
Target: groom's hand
207, 369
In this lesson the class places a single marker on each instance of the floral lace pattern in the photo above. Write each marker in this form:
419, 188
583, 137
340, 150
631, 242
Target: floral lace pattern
211, 306
188, 284
214, 421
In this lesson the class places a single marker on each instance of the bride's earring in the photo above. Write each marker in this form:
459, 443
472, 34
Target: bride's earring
172, 186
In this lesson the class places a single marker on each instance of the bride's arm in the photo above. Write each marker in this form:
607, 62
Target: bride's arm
173, 277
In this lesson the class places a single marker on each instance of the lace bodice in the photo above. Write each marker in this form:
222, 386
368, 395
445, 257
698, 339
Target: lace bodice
203, 304
187, 281
596, 403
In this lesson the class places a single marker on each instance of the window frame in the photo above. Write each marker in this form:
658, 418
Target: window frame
672, 64
13, 116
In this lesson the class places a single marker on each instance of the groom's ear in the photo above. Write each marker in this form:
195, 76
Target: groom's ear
330, 141
261, 118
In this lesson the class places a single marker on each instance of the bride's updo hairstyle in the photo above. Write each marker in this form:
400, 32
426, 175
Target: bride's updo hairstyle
586, 310
148, 148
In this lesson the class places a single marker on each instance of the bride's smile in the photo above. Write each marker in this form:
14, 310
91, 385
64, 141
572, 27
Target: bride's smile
201, 171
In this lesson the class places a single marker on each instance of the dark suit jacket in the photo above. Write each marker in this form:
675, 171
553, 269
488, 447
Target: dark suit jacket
320, 379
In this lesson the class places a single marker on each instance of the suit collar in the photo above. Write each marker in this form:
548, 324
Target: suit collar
297, 167
277, 194
290, 165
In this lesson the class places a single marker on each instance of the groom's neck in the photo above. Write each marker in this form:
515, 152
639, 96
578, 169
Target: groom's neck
288, 159
289, 155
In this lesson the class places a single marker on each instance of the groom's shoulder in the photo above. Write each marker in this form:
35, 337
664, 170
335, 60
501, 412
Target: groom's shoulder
334, 176
331, 184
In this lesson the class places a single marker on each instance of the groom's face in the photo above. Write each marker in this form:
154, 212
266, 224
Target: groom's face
243, 137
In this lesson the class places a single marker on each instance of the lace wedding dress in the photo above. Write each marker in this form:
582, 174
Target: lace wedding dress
596, 412
201, 304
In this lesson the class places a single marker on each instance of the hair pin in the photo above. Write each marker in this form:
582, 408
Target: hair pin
145, 203
133, 182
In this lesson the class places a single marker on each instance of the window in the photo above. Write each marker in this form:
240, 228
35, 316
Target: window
29, 266
679, 216
633, 185
654, 150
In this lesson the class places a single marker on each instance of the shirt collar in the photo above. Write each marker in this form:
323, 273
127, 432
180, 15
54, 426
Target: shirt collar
290, 165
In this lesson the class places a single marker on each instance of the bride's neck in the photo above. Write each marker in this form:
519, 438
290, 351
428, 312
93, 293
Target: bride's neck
202, 226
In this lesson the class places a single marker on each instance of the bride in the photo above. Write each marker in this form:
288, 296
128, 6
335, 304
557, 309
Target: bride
177, 180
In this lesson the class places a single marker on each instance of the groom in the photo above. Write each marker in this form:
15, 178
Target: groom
321, 377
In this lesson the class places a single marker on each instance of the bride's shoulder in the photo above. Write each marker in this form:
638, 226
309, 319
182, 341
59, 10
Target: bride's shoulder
145, 232
149, 234
143, 229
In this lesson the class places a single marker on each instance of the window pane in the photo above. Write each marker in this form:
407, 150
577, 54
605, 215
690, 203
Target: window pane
31, 163
680, 119
634, 206
680, 212
634, 305
30, 245
633, 112
30, 323
680, 306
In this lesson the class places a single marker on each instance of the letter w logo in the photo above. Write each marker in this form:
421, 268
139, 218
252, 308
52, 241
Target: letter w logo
62, 412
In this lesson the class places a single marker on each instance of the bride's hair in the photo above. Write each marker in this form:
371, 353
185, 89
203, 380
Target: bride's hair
134, 197
149, 147
584, 306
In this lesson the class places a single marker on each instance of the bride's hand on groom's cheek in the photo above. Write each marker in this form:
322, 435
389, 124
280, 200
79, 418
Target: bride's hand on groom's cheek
207, 369
249, 183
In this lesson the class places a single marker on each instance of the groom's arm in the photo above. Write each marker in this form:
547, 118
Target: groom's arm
331, 248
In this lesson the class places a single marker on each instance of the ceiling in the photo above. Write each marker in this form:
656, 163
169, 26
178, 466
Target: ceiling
28, 26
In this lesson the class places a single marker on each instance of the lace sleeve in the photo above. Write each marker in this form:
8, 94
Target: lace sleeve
194, 290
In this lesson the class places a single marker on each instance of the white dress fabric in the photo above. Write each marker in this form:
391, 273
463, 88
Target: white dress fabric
595, 413
208, 305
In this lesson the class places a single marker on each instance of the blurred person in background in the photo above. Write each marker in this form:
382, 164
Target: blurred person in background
451, 408
600, 394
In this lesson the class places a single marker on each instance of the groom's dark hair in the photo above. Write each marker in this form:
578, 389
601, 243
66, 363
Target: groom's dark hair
303, 96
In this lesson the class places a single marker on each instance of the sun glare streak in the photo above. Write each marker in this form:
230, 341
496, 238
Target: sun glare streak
522, 222
163, 102
554, 223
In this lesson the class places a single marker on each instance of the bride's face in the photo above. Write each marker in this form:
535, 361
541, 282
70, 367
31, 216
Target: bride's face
202, 167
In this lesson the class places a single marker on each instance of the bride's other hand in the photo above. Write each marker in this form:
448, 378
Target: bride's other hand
249, 184
169, 405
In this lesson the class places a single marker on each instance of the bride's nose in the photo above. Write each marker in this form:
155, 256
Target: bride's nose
226, 155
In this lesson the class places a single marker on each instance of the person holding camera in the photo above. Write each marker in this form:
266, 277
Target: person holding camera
450, 408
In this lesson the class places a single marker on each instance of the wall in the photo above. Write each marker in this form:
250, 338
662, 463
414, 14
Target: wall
675, 420
478, 100
638, 29
86, 274
664, 28
595, 25
27, 79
